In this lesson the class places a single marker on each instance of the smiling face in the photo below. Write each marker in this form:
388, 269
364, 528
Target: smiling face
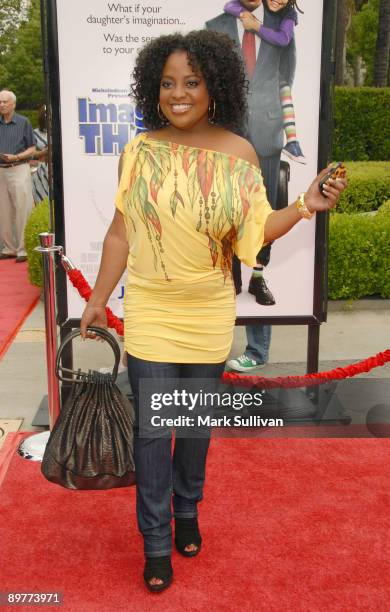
276, 5
184, 99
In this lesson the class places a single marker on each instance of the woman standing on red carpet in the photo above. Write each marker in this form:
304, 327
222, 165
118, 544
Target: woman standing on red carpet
190, 195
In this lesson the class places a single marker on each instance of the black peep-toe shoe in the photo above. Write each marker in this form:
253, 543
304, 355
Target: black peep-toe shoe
186, 533
160, 568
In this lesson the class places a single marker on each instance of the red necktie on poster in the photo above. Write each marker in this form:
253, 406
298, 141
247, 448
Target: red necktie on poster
249, 52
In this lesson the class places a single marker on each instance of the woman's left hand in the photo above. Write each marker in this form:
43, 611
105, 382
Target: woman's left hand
314, 199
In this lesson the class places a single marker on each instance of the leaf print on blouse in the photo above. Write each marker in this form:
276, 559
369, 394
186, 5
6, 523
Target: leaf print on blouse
205, 170
205, 162
138, 200
133, 171
175, 199
160, 165
218, 188
248, 182
152, 216
176, 195
186, 159
224, 185
157, 163
190, 168
137, 196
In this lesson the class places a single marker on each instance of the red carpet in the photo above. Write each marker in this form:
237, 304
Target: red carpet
17, 299
288, 524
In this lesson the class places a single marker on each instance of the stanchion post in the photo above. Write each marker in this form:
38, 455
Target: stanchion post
313, 350
47, 248
33, 447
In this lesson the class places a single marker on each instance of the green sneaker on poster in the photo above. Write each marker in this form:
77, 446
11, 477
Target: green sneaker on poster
244, 364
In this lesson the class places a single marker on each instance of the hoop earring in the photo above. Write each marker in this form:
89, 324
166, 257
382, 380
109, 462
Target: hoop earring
212, 111
161, 116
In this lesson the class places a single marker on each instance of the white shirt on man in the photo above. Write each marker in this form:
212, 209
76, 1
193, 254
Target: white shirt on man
259, 14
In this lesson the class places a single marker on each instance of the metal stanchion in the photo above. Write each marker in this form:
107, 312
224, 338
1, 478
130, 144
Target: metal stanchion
34, 446
48, 249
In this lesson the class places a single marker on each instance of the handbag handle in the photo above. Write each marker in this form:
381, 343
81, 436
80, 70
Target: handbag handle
99, 331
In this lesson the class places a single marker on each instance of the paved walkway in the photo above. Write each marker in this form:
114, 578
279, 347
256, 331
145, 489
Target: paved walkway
349, 335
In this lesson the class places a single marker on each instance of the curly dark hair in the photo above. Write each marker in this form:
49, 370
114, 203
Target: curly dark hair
293, 4
214, 55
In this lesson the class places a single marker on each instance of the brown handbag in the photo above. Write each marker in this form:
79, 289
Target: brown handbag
91, 444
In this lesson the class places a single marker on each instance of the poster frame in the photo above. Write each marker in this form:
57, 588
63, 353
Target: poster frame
51, 60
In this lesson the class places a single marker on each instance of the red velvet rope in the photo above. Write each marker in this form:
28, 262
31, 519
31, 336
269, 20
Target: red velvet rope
309, 380
78, 281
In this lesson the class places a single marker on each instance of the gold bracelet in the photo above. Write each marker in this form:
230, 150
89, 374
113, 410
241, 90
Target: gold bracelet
302, 208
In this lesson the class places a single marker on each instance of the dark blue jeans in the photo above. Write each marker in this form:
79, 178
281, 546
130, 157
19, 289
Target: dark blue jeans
159, 474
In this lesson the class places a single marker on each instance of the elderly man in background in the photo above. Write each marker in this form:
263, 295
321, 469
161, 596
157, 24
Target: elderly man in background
16, 149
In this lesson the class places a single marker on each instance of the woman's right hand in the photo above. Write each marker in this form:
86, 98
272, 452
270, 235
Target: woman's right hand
92, 316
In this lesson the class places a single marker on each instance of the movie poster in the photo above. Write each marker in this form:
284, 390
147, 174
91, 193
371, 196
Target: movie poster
98, 42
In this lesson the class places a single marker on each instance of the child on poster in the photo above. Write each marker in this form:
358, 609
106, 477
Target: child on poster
280, 37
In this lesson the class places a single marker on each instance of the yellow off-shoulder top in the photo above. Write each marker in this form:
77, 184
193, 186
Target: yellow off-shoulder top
187, 210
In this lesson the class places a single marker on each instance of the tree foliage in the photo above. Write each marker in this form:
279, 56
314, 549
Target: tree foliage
21, 67
361, 38
368, 41
12, 13
362, 45
382, 52
343, 21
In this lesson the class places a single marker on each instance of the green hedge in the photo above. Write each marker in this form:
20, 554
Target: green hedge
362, 123
31, 114
368, 186
384, 210
359, 255
39, 221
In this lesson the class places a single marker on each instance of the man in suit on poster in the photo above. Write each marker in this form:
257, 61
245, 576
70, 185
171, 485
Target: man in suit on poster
264, 129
